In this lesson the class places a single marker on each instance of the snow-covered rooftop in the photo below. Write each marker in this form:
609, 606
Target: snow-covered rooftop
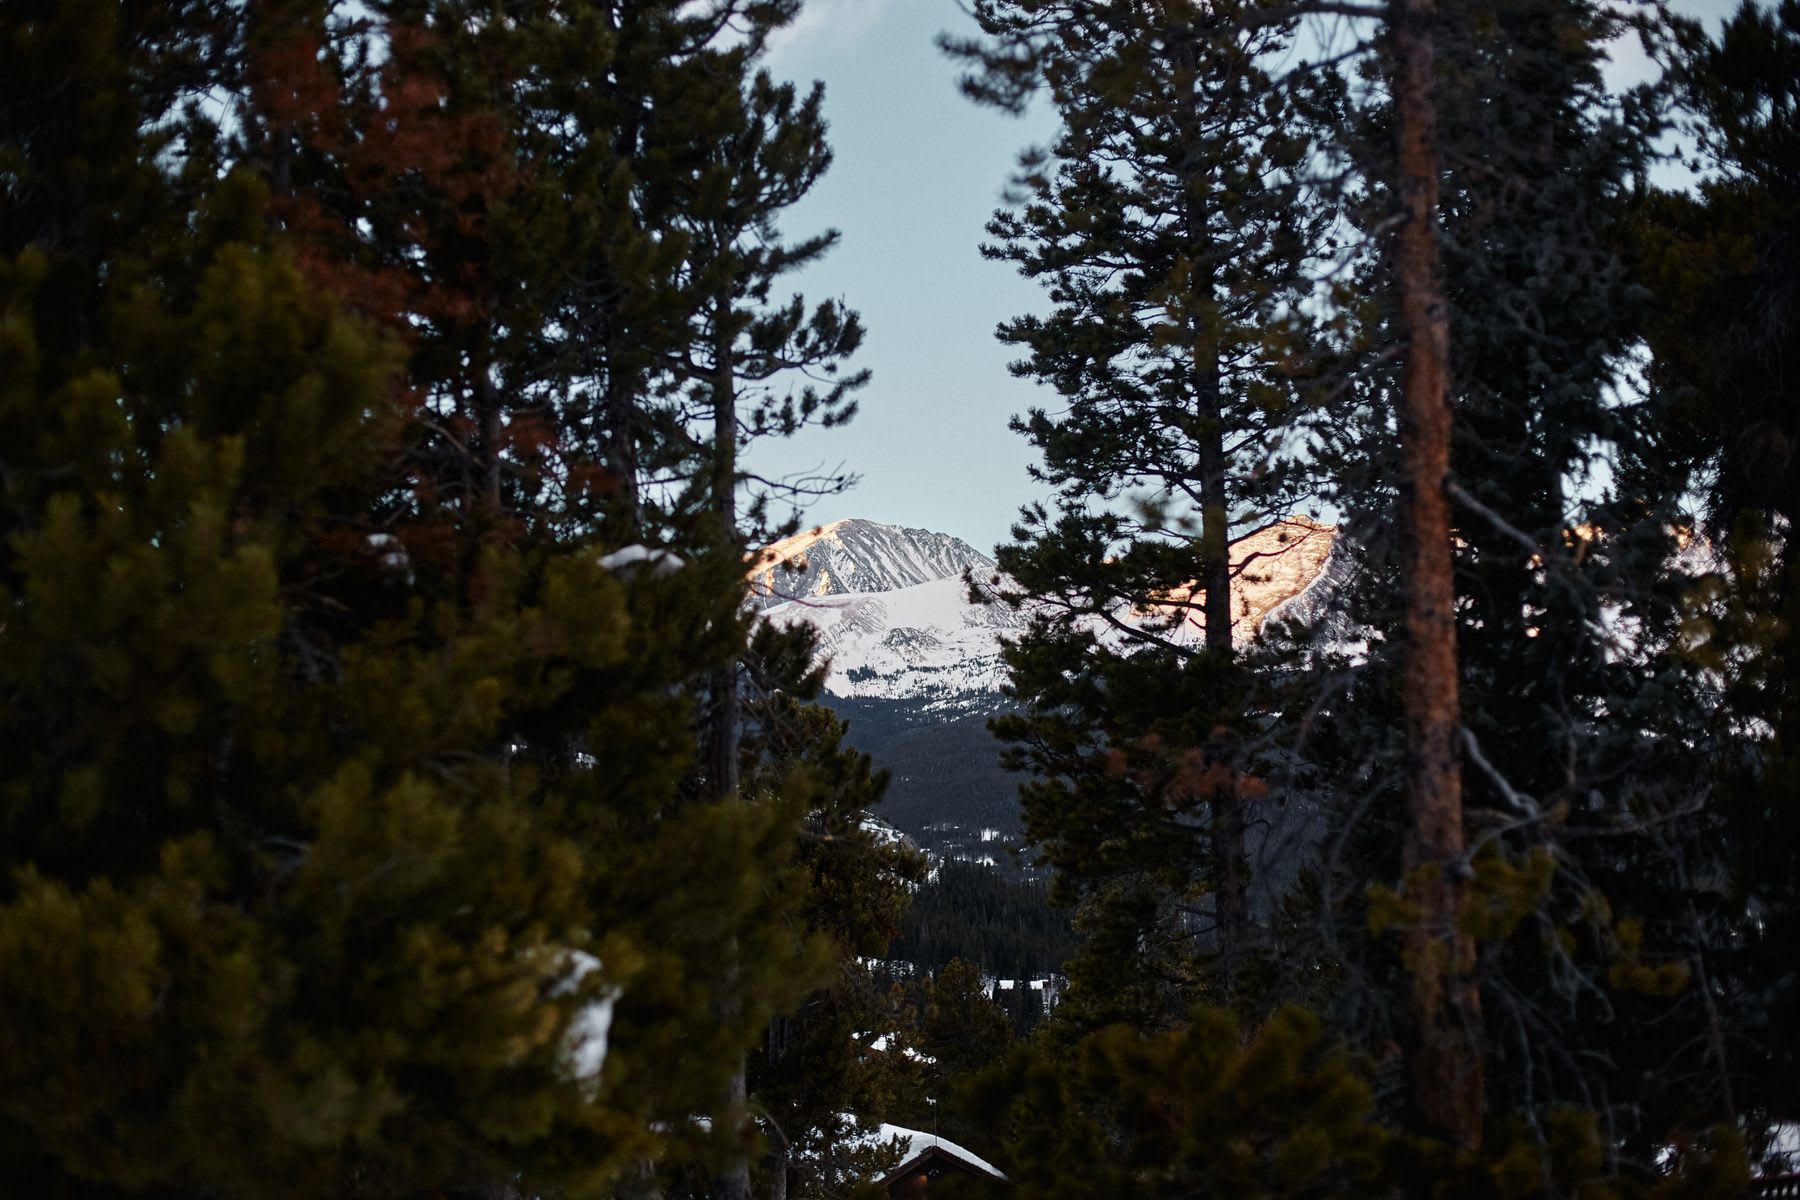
915, 1144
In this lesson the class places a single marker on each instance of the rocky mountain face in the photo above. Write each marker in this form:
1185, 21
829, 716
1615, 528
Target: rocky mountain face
855, 556
892, 611
896, 621
1274, 571
925, 643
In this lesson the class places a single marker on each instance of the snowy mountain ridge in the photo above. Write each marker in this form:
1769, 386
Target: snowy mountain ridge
926, 643
853, 556
896, 623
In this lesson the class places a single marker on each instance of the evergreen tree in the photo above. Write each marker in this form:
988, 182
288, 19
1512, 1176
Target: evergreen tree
1541, 611
1565, 606
766, 153
1536, 315
352, 837
963, 1032
309, 926
1170, 225
1722, 265
817, 1074
643, 170
1212, 1109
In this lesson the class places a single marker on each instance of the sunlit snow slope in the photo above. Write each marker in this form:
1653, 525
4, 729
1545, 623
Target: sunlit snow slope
893, 614
857, 556
925, 643
896, 623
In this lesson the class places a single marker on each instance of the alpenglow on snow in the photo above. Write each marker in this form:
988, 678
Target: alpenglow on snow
895, 620
858, 556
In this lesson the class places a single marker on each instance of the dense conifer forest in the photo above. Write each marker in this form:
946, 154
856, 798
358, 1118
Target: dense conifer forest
970, 911
400, 799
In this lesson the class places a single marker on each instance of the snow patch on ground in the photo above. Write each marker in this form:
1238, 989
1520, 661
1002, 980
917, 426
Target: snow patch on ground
584, 1042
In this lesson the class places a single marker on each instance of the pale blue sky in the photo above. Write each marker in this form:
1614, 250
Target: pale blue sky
918, 171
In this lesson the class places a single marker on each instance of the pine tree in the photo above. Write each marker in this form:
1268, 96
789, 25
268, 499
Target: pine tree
1488, 269
645, 167
817, 1073
963, 1031
297, 935
1445, 1051
1213, 1109
1575, 896
350, 810
1722, 266
1542, 315
764, 154
1171, 228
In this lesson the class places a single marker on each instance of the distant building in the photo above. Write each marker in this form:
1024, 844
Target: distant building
924, 1158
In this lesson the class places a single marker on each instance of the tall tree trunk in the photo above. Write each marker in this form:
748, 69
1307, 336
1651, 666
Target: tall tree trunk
619, 454
781, 1151
1206, 381
733, 1181
481, 438
487, 403
620, 395
621, 457
724, 489
1445, 1054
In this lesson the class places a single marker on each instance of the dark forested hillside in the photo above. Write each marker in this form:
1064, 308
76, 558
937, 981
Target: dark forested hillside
941, 772
1005, 924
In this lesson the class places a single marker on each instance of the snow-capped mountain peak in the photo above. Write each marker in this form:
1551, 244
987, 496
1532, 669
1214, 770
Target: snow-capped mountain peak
857, 556
895, 621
